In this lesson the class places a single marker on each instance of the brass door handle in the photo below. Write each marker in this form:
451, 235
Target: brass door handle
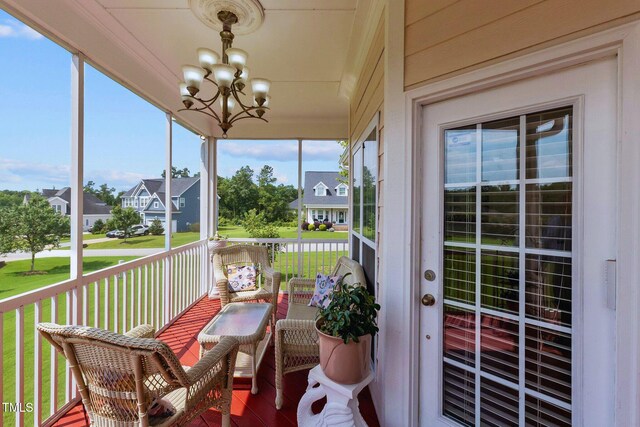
428, 300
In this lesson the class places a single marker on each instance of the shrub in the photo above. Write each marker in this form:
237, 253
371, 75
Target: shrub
328, 224
223, 222
156, 227
305, 226
322, 227
195, 227
110, 225
316, 224
311, 227
98, 227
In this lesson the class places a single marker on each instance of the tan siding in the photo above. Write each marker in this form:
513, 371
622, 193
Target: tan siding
453, 38
417, 9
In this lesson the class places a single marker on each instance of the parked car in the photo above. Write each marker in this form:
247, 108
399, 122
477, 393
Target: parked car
115, 233
137, 230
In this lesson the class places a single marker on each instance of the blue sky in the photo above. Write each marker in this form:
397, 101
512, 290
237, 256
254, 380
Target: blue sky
124, 135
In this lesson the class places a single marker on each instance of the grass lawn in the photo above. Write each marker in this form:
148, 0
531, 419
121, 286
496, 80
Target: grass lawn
13, 282
143, 242
236, 231
85, 237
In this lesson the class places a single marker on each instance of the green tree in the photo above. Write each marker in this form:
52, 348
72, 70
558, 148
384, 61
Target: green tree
124, 219
12, 198
104, 192
31, 227
343, 169
156, 227
274, 200
241, 194
177, 173
98, 227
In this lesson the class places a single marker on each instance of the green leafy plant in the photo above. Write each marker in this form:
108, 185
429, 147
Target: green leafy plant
311, 227
322, 227
156, 228
350, 314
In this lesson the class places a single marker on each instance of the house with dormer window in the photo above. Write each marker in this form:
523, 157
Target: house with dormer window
326, 198
148, 199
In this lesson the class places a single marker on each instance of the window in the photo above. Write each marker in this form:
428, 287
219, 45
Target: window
363, 205
155, 204
313, 214
342, 190
321, 190
182, 202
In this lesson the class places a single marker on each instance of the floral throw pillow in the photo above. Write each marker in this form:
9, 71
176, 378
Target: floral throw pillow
324, 288
241, 277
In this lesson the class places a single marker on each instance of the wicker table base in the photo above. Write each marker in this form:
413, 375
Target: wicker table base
246, 322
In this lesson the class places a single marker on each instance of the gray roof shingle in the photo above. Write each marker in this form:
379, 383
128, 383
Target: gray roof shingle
91, 205
156, 185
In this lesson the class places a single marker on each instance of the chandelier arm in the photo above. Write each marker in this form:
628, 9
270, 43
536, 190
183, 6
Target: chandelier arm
214, 115
234, 92
248, 117
206, 106
246, 111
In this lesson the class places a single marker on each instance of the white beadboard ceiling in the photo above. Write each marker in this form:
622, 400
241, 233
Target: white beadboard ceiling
302, 46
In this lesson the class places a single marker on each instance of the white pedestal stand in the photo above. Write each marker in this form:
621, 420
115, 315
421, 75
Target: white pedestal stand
212, 290
342, 402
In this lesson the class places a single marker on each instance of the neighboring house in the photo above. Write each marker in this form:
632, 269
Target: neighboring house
148, 198
325, 198
93, 208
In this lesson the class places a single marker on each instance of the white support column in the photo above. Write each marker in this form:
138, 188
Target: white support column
77, 163
213, 185
300, 268
205, 202
168, 266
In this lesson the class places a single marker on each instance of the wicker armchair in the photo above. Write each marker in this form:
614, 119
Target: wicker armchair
268, 287
296, 336
119, 376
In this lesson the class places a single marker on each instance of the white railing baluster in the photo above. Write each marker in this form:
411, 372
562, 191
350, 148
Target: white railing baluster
124, 302
37, 358
146, 293
19, 363
53, 395
116, 302
132, 303
139, 284
107, 303
67, 370
96, 304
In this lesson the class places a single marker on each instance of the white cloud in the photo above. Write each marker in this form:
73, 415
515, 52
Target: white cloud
26, 173
282, 151
121, 180
15, 29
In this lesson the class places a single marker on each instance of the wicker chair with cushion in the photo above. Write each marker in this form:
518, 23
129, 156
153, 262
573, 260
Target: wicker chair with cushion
267, 289
121, 377
296, 336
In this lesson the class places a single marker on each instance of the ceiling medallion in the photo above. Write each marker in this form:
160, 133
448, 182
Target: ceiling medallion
250, 13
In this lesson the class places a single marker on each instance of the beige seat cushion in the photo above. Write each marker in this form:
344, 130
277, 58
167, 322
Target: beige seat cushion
301, 312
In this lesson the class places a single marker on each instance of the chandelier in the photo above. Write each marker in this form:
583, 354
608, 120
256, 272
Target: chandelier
230, 77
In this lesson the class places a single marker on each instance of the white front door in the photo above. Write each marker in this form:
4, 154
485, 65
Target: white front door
518, 222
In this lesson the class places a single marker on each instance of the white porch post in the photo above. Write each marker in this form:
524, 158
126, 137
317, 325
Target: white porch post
205, 168
214, 207
77, 163
168, 265
300, 259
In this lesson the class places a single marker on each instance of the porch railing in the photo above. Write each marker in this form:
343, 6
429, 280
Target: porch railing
300, 258
155, 289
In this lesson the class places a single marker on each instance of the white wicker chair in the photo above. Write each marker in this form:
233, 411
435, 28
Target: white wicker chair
247, 255
296, 336
119, 376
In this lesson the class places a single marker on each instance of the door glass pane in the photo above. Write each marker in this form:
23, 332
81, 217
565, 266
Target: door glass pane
356, 186
518, 261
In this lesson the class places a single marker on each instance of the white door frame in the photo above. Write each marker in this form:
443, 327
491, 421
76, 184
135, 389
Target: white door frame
623, 41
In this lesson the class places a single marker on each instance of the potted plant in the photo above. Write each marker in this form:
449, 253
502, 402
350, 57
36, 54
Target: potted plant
345, 329
217, 241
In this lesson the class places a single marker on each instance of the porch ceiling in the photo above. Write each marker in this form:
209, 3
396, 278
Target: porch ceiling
302, 46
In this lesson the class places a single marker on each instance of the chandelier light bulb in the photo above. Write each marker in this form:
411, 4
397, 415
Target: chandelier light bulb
187, 99
193, 77
237, 57
208, 58
244, 76
223, 75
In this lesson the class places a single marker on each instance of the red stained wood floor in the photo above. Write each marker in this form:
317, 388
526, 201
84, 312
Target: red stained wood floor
246, 409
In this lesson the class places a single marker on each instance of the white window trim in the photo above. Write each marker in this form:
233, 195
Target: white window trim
155, 204
320, 185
